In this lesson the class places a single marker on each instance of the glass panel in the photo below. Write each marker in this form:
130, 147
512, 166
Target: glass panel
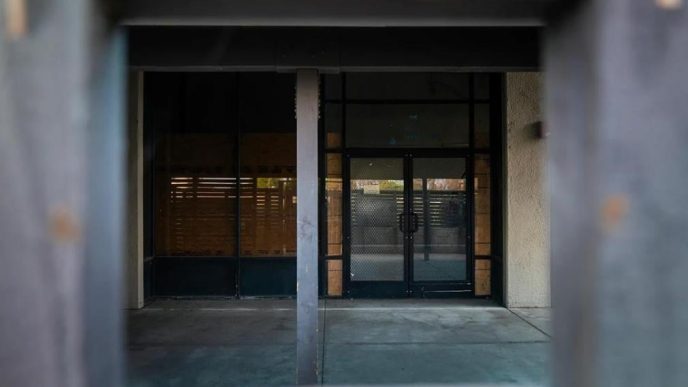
268, 166
481, 86
400, 86
377, 200
482, 205
482, 125
332, 86
194, 166
267, 103
268, 194
333, 125
333, 193
439, 205
440, 126
195, 195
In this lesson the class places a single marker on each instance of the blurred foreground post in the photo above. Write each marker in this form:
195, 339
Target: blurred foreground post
61, 186
617, 110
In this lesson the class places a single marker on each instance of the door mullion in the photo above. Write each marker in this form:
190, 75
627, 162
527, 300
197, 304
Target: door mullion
470, 221
408, 209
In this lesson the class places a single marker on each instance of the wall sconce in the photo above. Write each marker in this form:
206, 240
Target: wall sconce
539, 129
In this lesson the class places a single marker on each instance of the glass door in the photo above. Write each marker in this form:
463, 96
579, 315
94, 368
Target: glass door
439, 224
408, 226
377, 227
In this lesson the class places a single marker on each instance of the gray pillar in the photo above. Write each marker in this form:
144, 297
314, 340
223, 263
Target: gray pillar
60, 164
616, 94
103, 235
307, 226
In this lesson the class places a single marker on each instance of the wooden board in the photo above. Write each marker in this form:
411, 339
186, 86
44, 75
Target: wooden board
334, 278
483, 284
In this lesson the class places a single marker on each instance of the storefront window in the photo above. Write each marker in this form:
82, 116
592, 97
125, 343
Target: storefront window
202, 122
268, 165
194, 167
268, 194
407, 125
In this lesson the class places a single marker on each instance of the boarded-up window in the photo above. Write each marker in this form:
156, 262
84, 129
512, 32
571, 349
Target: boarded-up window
214, 133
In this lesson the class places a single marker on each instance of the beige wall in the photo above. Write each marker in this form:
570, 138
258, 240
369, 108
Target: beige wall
134, 203
526, 204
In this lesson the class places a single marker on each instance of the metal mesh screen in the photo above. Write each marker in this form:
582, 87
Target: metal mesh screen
439, 249
376, 241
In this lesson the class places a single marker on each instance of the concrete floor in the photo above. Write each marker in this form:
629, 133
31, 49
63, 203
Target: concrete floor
252, 342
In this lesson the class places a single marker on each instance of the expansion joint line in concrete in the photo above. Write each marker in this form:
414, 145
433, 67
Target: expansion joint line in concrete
324, 341
529, 323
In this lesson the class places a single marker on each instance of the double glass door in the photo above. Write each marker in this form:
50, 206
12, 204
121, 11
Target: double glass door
408, 230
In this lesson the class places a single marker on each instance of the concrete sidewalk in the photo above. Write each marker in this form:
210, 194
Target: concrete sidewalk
252, 342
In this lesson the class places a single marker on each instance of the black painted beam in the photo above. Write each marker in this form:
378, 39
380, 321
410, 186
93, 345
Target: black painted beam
334, 49
336, 13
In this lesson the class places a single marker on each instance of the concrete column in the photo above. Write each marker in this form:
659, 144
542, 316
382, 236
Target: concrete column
134, 255
307, 225
526, 225
616, 92
104, 240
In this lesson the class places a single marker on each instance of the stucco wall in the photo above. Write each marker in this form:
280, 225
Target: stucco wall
526, 204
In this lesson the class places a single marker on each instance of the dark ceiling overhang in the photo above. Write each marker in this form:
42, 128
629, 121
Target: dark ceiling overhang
336, 13
334, 49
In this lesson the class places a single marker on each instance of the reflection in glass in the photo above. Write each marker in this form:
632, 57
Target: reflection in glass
481, 84
194, 166
439, 205
268, 165
268, 194
377, 199
194, 118
195, 195
482, 125
407, 125
333, 125
333, 86
407, 86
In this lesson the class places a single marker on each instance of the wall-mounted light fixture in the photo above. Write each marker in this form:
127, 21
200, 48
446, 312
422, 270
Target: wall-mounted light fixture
540, 130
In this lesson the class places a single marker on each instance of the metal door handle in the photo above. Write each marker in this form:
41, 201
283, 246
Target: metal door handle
415, 222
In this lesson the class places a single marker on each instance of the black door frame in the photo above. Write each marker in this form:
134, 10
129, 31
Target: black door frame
408, 287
